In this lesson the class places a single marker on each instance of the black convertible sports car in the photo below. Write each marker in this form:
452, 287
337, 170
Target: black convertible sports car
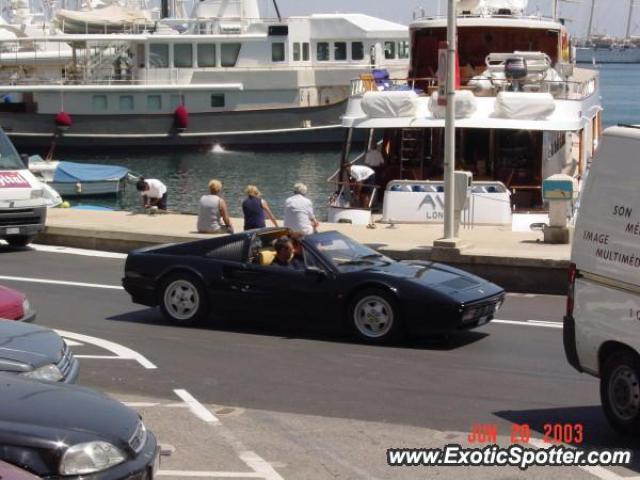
378, 297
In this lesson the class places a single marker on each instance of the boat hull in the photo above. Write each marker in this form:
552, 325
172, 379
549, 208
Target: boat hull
87, 189
286, 126
607, 55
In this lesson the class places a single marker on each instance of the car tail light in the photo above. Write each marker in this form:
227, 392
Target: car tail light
573, 273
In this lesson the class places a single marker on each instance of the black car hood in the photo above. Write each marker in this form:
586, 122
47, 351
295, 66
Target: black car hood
445, 279
29, 345
76, 413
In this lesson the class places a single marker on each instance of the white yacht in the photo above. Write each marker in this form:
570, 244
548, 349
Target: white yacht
524, 113
222, 76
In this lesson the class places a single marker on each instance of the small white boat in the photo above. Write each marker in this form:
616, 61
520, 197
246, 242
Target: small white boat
72, 179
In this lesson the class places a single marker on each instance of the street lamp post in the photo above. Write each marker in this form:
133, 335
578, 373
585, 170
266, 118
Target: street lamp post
450, 128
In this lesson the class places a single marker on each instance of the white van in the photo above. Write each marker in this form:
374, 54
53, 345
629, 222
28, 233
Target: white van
23, 208
602, 322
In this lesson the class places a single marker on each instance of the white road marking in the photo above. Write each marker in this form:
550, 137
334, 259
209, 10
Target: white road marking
261, 468
120, 350
73, 343
529, 323
77, 251
196, 407
60, 282
204, 474
141, 404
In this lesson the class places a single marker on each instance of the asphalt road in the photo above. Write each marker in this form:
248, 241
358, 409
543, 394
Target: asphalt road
306, 391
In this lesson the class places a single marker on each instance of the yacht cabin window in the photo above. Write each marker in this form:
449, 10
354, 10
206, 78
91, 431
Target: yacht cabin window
126, 103
403, 49
217, 100
206, 55
154, 102
305, 51
296, 52
183, 55
176, 101
357, 51
389, 50
277, 52
159, 55
229, 54
99, 103
322, 52
340, 51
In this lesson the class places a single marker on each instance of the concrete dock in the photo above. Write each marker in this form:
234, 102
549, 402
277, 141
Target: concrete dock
518, 261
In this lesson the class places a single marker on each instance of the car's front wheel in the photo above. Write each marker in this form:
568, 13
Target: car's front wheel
183, 300
620, 391
374, 316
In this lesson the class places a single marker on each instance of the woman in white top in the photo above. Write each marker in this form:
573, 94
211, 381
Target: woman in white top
213, 211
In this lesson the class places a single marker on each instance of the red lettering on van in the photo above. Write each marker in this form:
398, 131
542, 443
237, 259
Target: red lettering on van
13, 180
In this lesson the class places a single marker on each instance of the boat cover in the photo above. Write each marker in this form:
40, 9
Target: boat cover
70, 172
389, 104
465, 104
524, 105
113, 18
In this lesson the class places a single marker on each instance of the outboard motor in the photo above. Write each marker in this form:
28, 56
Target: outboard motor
515, 70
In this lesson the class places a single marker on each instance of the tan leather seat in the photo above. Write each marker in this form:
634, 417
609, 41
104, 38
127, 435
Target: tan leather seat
266, 257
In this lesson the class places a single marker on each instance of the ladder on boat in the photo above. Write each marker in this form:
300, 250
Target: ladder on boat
411, 149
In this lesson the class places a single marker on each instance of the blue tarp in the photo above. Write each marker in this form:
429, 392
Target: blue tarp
88, 172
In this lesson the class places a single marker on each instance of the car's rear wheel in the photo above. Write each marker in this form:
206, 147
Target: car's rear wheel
620, 391
19, 240
183, 300
374, 316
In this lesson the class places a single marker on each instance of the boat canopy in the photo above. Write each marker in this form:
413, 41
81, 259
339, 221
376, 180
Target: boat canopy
88, 172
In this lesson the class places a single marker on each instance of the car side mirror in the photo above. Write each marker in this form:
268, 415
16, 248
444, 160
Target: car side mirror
316, 272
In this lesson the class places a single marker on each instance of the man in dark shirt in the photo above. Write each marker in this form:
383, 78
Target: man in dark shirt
284, 255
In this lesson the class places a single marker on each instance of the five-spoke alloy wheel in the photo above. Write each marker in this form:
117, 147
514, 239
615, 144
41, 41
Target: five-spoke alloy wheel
183, 300
374, 317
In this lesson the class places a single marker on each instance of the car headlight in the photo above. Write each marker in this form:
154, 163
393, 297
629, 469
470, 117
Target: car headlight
36, 193
90, 457
48, 373
26, 307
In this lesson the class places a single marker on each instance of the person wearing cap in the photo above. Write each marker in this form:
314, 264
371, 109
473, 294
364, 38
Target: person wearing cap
298, 212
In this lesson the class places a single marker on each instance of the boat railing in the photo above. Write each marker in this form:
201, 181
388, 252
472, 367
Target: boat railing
367, 83
571, 89
420, 14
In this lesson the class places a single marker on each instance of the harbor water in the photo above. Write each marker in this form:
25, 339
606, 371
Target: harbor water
274, 172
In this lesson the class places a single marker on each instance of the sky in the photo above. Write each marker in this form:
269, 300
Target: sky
610, 16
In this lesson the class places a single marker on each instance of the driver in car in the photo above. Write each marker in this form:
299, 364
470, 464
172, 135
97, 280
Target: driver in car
284, 255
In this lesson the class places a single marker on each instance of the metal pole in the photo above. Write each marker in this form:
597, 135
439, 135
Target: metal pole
590, 25
450, 128
627, 35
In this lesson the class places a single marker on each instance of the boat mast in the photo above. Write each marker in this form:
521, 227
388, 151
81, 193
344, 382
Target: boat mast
628, 34
556, 9
590, 26
275, 4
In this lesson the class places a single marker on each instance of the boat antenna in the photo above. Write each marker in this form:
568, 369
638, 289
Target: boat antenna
275, 4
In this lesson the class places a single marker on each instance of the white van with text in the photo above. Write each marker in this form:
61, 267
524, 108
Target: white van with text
602, 322
23, 206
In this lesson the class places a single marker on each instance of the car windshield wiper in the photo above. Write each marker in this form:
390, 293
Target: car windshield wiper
356, 261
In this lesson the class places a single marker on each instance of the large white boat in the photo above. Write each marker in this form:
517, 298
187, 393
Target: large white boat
223, 76
524, 113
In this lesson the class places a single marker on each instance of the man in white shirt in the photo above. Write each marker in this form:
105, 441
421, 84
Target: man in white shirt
153, 193
364, 179
298, 211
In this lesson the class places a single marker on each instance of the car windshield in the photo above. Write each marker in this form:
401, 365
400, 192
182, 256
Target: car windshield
344, 252
9, 159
